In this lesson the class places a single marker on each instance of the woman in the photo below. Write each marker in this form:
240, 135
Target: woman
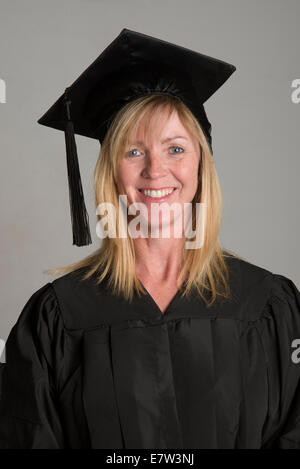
146, 343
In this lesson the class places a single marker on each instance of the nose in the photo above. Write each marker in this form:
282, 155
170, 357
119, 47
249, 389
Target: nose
154, 165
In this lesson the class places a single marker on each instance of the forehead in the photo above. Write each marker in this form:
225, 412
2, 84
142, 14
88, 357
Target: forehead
158, 126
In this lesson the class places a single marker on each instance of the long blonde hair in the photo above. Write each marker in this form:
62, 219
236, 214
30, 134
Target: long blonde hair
204, 268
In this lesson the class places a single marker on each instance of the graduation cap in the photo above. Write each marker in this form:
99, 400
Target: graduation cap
132, 65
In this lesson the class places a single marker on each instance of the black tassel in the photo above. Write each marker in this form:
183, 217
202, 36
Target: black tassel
79, 215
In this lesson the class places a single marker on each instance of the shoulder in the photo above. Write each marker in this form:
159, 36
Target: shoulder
65, 303
247, 277
38, 326
255, 288
40, 307
246, 270
84, 302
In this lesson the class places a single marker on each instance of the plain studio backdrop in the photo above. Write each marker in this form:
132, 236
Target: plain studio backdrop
44, 47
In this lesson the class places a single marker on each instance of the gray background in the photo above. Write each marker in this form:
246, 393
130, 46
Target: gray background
45, 45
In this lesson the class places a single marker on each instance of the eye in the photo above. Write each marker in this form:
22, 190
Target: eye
181, 150
133, 152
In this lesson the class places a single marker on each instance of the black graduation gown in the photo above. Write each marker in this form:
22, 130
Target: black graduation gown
85, 369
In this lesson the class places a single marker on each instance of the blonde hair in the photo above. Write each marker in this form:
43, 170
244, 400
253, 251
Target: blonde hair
204, 268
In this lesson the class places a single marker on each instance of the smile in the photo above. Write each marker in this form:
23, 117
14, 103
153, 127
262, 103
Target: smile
157, 194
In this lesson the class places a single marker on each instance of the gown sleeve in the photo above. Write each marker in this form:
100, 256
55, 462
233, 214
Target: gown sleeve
29, 416
281, 340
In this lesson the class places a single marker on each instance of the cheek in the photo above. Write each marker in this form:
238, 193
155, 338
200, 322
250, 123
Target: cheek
126, 175
189, 177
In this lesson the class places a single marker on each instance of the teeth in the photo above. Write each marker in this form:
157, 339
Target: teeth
157, 194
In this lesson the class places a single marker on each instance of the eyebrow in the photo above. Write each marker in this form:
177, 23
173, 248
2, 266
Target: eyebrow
173, 138
165, 140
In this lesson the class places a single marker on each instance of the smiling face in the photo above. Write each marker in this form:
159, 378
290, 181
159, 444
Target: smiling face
161, 166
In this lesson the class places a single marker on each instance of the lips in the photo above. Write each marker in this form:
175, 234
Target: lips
156, 194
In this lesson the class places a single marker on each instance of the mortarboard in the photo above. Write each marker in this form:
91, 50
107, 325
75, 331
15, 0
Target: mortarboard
132, 65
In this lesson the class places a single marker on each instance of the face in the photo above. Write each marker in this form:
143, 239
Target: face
163, 169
